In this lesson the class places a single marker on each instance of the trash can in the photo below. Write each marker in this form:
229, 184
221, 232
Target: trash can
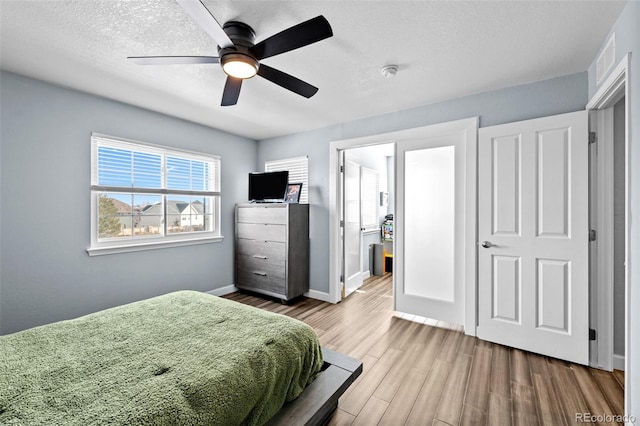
376, 253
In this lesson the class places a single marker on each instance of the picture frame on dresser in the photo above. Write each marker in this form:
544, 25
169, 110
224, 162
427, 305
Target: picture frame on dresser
293, 193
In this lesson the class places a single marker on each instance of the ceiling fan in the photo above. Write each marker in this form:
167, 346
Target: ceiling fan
240, 57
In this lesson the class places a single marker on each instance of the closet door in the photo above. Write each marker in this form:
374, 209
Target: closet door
533, 282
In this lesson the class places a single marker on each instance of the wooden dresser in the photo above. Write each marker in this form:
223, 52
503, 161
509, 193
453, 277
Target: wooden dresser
272, 249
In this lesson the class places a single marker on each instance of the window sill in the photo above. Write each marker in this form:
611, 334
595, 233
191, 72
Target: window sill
100, 251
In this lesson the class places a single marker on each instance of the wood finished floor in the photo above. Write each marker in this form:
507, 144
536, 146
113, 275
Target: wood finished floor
429, 373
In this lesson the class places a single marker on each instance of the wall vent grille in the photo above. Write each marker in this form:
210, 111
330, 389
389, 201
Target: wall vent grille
606, 59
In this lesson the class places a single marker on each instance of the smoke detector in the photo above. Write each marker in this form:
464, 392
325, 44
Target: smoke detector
389, 71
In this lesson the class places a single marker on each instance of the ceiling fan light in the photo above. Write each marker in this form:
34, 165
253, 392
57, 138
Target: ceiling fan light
239, 65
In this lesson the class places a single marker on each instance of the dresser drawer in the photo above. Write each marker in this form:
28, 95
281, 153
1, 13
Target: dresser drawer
270, 250
275, 215
260, 280
253, 231
254, 264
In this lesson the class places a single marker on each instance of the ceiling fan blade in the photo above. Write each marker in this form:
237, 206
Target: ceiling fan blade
197, 10
231, 91
174, 60
300, 35
287, 81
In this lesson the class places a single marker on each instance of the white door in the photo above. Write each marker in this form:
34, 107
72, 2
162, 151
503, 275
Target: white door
352, 225
533, 284
430, 226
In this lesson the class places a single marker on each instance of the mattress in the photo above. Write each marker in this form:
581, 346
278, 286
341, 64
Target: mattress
183, 358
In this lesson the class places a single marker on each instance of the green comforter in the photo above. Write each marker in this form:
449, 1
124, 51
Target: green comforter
185, 358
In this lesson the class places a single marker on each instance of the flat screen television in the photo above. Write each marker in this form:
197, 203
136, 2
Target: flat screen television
268, 186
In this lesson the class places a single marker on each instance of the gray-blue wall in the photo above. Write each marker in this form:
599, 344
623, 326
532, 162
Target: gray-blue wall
46, 274
627, 30
549, 97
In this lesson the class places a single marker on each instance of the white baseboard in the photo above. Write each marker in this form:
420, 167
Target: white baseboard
313, 294
223, 290
618, 362
318, 295
366, 274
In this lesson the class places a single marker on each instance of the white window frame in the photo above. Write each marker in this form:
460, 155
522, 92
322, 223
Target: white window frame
373, 196
111, 246
298, 168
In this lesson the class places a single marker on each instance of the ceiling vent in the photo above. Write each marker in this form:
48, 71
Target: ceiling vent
606, 59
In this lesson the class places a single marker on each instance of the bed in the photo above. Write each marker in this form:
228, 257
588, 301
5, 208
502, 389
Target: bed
182, 358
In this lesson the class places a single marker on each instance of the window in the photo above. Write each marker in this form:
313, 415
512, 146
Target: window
298, 169
369, 193
145, 196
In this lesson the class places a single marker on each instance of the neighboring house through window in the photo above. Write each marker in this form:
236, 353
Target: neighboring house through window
298, 169
146, 196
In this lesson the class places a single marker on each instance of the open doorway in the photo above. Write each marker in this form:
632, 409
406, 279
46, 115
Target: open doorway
366, 214
413, 147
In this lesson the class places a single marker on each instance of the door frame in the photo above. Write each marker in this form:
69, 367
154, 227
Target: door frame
470, 126
610, 92
601, 259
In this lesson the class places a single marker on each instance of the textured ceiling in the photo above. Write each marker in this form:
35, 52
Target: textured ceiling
445, 49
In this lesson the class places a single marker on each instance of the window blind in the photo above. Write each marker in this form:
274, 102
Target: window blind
119, 164
298, 169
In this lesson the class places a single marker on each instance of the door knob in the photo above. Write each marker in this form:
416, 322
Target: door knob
487, 244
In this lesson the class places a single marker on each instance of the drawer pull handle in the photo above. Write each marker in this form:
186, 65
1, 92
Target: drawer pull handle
262, 274
257, 256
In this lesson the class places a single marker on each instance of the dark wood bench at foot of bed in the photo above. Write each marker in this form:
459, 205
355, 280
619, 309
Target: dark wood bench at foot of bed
319, 400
